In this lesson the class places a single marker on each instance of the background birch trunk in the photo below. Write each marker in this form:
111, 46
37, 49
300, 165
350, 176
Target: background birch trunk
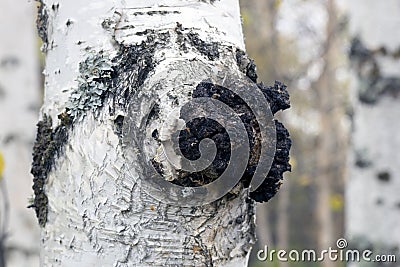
100, 56
373, 202
19, 103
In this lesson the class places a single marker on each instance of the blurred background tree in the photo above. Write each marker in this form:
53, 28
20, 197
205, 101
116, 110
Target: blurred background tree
20, 96
302, 43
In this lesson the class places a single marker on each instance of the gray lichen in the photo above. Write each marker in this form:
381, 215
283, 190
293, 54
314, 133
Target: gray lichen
94, 84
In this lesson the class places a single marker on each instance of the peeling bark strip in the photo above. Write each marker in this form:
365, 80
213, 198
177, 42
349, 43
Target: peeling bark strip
136, 70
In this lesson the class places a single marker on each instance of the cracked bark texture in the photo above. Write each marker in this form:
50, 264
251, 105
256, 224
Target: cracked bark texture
102, 55
373, 201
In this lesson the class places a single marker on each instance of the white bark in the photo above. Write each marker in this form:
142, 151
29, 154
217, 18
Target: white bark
97, 211
372, 197
19, 101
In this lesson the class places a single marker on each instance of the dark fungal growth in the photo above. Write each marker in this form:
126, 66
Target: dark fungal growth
200, 128
49, 144
373, 83
246, 65
189, 141
272, 183
278, 99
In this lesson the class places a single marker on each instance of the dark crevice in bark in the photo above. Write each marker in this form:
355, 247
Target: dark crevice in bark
118, 124
373, 84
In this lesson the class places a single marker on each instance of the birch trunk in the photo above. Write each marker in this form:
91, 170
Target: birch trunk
88, 199
19, 102
373, 186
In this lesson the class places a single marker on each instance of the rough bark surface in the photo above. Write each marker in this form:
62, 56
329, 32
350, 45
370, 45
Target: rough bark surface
114, 64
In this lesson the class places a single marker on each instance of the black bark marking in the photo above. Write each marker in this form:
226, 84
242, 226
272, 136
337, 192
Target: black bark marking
42, 21
134, 63
362, 159
161, 12
384, 176
69, 22
48, 146
9, 138
55, 7
373, 84
208, 49
379, 201
9, 62
208, 1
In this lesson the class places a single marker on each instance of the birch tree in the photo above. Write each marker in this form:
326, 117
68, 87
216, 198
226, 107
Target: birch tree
372, 192
121, 79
